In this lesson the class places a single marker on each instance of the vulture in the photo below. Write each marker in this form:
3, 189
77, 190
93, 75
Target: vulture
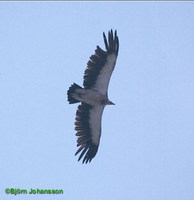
93, 97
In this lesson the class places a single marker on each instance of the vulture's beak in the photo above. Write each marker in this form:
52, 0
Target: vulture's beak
110, 103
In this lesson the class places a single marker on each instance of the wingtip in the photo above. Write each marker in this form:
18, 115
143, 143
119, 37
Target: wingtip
115, 33
111, 41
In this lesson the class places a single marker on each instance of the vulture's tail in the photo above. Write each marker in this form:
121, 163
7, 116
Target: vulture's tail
71, 91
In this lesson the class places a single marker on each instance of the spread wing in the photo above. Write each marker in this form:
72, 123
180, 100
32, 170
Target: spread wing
101, 65
88, 127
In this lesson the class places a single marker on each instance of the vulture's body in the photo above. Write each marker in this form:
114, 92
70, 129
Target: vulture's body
93, 97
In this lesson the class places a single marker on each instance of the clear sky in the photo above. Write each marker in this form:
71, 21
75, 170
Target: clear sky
147, 145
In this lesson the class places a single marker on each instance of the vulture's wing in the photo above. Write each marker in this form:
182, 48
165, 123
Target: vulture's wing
88, 127
101, 65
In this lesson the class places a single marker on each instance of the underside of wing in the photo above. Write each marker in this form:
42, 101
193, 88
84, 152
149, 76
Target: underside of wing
101, 64
88, 127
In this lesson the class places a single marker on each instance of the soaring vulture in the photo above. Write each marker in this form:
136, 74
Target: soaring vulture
93, 97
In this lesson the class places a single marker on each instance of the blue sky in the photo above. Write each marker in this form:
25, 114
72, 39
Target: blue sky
146, 150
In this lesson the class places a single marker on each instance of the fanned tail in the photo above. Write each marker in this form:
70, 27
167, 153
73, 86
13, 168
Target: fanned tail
71, 91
